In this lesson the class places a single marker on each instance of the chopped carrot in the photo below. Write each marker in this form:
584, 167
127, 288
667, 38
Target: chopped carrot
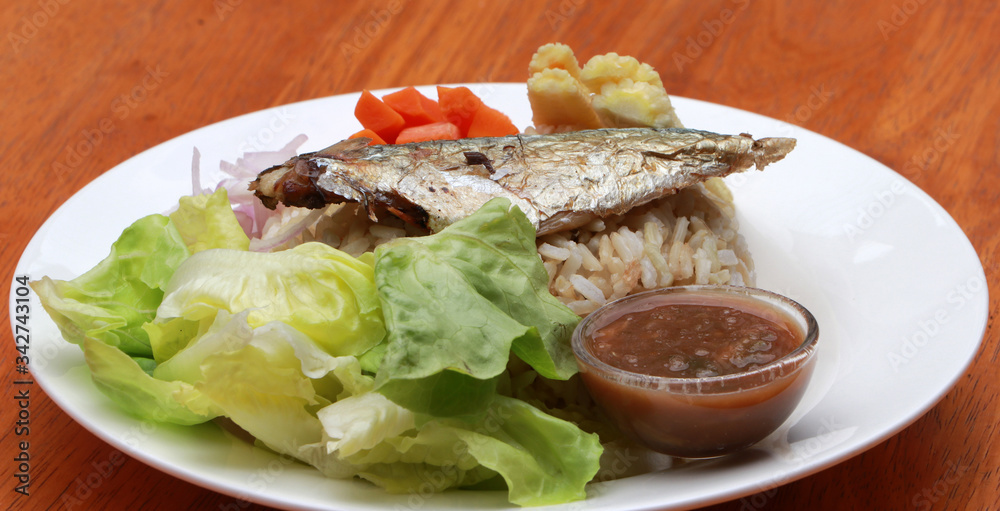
433, 109
367, 133
490, 122
459, 106
378, 117
433, 131
415, 108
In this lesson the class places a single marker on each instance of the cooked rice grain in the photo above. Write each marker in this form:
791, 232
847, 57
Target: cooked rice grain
687, 238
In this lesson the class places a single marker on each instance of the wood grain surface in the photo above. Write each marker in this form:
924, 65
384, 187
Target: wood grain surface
911, 83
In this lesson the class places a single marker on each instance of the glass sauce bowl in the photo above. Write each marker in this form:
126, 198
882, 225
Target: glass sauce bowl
700, 417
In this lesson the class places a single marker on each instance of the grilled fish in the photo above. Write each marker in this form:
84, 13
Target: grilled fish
560, 181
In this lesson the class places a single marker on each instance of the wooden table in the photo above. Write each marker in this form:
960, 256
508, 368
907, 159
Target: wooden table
911, 83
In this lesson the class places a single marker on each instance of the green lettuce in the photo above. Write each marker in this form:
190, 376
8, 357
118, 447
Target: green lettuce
297, 400
107, 310
458, 302
542, 459
274, 383
110, 302
207, 221
124, 381
320, 291
270, 380
383, 367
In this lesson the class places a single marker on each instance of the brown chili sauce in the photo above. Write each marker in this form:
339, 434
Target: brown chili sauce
688, 340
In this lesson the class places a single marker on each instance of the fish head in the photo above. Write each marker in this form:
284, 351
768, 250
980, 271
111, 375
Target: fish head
338, 180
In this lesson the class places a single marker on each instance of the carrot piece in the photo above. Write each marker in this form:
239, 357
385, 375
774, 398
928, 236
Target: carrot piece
415, 108
433, 131
490, 122
433, 109
378, 117
367, 133
459, 106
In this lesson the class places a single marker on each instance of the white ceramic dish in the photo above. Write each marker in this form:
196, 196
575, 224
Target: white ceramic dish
897, 288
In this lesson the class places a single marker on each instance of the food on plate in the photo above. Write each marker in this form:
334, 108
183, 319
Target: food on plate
373, 138
408, 116
376, 116
698, 371
695, 339
391, 367
691, 237
610, 90
561, 181
415, 327
425, 132
415, 108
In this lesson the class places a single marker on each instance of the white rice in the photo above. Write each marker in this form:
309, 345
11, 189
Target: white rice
688, 238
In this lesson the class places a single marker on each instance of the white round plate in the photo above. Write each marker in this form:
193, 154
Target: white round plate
898, 290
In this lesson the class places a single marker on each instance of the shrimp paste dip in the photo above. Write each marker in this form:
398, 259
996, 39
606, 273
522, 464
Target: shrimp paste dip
698, 371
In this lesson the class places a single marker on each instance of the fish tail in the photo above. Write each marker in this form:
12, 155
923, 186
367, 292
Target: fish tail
769, 150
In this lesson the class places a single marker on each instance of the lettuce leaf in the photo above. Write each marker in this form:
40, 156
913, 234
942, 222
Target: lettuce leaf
270, 381
456, 304
207, 221
107, 309
121, 378
314, 288
110, 302
542, 460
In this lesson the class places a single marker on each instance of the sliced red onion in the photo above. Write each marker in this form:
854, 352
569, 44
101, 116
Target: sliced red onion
266, 228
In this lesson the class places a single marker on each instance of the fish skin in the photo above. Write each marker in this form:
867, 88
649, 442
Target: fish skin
560, 181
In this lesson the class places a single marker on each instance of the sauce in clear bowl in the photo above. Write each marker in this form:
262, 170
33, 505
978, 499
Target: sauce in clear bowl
698, 371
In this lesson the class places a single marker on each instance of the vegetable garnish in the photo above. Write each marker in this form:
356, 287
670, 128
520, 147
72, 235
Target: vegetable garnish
407, 116
378, 117
182, 324
458, 302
